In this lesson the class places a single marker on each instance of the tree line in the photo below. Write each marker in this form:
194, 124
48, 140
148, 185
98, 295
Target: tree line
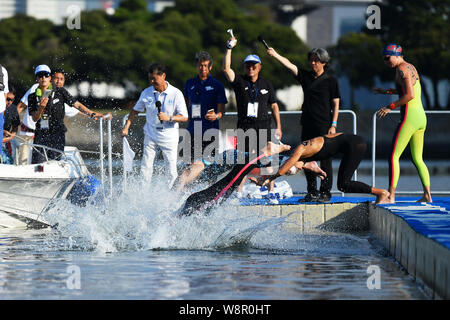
118, 48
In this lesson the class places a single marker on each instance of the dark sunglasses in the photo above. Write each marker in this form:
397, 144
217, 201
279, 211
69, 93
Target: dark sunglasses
42, 74
9, 99
386, 58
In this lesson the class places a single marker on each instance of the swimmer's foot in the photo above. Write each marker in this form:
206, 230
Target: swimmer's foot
273, 148
314, 167
425, 198
382, 196
260, 181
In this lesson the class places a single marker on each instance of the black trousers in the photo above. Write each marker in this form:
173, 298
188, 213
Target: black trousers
309, 132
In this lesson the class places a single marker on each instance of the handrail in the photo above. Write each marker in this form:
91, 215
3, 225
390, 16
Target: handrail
374, 134
351, 112
102, 173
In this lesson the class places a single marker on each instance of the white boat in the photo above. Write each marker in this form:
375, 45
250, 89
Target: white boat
27, 191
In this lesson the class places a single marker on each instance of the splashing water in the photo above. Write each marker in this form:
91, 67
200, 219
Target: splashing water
144, 218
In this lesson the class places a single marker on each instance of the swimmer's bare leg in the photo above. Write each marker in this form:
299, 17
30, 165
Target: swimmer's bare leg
189, 175
426, 195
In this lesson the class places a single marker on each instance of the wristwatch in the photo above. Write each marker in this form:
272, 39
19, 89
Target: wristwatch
171, 118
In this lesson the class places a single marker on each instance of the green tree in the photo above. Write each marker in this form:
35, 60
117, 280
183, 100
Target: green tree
355, 55
118, 48
26, 42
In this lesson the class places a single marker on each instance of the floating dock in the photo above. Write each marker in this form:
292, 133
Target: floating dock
417, 235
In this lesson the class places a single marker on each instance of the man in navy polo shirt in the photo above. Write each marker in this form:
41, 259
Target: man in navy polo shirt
206, 99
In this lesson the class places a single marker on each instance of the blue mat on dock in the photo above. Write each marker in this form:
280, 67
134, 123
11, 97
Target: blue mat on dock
429, 219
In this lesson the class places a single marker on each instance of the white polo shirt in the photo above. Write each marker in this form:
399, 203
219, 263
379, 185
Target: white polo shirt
172, 103
5, 91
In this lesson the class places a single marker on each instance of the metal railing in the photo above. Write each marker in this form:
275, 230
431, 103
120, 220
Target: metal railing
109, 141
374, 139
230, 114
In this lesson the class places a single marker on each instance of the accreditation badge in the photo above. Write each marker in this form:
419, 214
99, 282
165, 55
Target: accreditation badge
252, 109
196, 111
44, 124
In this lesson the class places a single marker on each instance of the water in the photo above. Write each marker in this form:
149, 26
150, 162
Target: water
135, 248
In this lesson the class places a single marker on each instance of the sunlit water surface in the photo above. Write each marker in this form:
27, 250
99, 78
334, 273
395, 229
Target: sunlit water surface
134, 247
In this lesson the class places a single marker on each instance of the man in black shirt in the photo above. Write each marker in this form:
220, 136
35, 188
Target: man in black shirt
255, 96
46, 107
320, 111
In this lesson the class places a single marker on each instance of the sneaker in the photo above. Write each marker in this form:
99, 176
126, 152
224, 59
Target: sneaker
324, 196
310, 197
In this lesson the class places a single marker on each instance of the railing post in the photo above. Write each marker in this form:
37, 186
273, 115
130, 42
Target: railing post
124, 172
110, 157
102, 174
374, 148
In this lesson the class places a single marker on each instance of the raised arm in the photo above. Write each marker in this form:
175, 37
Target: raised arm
226, 65
284, 61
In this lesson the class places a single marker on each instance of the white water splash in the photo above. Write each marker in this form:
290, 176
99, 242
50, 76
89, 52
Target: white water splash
144, 218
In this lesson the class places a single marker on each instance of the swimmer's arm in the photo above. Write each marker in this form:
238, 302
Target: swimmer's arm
407, 83
385, 91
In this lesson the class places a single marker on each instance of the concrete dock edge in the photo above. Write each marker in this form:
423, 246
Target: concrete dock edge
426, 260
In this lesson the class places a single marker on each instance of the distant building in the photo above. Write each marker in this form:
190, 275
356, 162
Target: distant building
58, 10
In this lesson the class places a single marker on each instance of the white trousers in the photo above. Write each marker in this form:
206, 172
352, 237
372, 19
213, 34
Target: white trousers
170, 153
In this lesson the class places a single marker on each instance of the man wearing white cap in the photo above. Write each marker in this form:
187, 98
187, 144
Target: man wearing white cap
47, 108
28, 126
254, 97
3, 92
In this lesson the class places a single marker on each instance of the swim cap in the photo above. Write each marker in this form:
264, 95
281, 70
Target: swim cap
392, 50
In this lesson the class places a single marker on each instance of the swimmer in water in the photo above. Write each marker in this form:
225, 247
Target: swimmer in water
411, 128
204, 200
351, 146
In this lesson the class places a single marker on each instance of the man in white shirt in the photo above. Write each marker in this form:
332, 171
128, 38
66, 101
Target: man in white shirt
3, 92
164, 107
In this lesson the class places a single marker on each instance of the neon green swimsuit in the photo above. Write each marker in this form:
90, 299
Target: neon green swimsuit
410, 130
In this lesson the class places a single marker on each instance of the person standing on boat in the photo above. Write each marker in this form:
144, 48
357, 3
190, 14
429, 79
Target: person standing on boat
59, 80
10, 127
164, 108
411, 128
28, 126
320, 112
46, 107
4, 89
